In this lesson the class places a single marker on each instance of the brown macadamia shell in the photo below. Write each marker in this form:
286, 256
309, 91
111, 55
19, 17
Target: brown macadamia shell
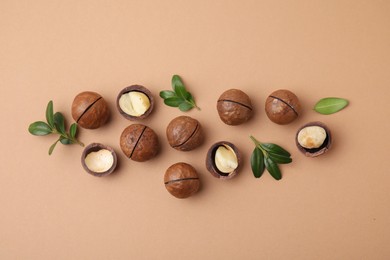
139, 142
315, 151
137, 88
95, 147
90, 110
282, 107
234, 107
210, 161
184, 133
181, 180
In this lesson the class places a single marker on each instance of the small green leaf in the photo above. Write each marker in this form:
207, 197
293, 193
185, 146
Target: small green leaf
65, 140
73, 130
52, 147
279, 158
176, 82
59, 122
167, 94
185, 106
173, 101
330, 105
273, 168
257, 162
49, 114
39, 128
274, 148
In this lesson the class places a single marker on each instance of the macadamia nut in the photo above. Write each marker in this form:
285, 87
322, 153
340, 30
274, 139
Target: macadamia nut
99, 161
134, 103
226, 159
311, 137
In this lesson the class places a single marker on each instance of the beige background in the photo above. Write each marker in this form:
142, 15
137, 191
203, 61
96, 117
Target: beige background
332, 207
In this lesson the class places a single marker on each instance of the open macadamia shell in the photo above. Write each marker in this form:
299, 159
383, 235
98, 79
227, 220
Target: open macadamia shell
211, 160
234, 107
282, 107
184, 133
98, 159
314, 152
90, 110
139, 142
181, 180
135, 88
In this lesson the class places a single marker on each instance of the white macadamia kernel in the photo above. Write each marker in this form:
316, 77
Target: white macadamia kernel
311, 137
99, 161
226, 159
134, 103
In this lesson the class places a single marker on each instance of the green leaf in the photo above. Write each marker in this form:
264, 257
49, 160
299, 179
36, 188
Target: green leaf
330, 105
274, 148
49, 114
59, 122
167, 94
52, 147
279, 158
65, 140
273, 168
39, 128
176, 82
173, 101
185, 106
73, 130
257, 162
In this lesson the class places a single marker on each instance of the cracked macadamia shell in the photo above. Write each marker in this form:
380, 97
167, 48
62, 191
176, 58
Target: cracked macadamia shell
323, 148
139, 142
126, 104
234, 107
184, 133
98, 159
282, 107
90, 110
211, 158
181, 180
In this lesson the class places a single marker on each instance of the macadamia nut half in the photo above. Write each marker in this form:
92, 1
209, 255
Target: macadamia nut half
135, 102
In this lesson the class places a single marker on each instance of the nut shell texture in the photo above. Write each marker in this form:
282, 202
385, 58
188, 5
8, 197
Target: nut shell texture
211, 165
181, 180
90, 110
141, 89
94, 147
184, 133
314, 152
234, 107
282, 107
139, 142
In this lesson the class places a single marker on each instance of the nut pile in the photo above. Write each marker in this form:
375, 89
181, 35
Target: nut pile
140, 143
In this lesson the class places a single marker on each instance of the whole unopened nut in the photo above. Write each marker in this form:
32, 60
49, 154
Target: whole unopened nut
98, 159
234, 107
135, 102
184, 133
90, 110
282, 107
223, 160
181, 180
139, 142
313, 139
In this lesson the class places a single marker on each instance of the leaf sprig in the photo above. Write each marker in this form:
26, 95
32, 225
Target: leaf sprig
330, 105
179, 97
55, 125
268, 155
